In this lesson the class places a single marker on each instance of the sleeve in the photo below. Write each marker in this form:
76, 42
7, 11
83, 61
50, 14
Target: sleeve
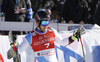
28, 3
62, 41
25, 43
24, 6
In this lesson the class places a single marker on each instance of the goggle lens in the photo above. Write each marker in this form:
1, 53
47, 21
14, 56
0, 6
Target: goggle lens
44, 23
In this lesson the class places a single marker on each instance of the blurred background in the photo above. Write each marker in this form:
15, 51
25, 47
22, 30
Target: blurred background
56, 8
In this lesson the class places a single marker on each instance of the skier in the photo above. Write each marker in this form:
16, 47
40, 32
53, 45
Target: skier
42, 39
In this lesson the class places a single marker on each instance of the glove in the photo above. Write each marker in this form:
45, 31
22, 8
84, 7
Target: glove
11, 52
78, 33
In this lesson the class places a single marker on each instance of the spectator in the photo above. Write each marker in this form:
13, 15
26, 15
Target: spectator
75, 11
56, 11
41, 4
0, 5
54, 15
43, 37
9, 7
60, 7
49, 11
97, 14
29, 12
91, 8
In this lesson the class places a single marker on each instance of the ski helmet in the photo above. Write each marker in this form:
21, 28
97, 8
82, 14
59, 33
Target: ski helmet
42, 17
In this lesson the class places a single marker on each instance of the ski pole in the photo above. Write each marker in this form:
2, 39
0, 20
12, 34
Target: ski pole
13, 43
82, 50
81, 44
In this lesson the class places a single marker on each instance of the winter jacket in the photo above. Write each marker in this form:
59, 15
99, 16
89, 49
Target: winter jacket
8, 8
97, 14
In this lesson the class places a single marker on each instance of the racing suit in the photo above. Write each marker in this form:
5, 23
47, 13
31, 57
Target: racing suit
43, 44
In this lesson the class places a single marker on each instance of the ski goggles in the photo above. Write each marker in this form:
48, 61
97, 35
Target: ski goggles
45, 23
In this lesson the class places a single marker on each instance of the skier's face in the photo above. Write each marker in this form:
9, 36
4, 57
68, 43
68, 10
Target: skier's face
43, 25
43, 28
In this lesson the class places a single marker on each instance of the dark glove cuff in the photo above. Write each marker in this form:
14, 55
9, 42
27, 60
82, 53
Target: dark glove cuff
70, 39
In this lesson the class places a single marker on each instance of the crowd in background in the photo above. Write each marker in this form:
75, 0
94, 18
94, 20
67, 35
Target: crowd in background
56, 7
62, 11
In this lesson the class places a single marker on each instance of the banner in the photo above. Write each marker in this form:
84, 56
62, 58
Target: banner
74, 53
4, 47
91, 41
71, 53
